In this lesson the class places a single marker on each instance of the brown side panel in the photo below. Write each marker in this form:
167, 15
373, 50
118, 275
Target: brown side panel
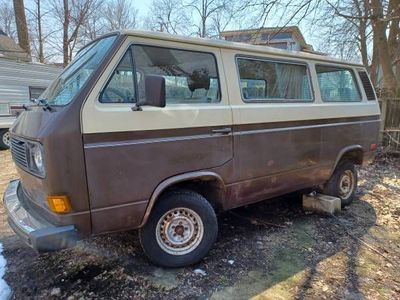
336, 138
123, 169
277, 158
264, 152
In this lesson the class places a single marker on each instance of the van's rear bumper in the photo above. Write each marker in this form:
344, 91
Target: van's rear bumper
31, 228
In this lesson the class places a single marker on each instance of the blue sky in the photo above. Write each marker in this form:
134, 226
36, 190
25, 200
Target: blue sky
142, 5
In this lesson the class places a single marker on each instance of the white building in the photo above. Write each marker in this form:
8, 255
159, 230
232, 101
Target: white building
289, 38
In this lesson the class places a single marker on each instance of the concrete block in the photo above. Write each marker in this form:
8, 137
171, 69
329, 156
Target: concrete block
321, 203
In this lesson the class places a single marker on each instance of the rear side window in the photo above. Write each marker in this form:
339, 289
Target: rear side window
337, 84
190, 76
263, 80
369, 90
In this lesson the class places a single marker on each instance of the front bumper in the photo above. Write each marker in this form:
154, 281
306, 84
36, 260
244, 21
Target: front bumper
31, 228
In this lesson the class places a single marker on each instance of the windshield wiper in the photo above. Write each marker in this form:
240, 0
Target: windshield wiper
25, 107
46, 106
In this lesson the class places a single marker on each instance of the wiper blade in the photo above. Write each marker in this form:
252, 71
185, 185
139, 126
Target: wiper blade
25, 107
46, 106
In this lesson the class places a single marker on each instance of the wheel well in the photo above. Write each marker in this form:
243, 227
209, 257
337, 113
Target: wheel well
210, 188
354, 155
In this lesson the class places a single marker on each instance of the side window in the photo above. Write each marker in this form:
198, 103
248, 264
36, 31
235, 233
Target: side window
337, 84
190, 77
120, 87
253, 88
273, 81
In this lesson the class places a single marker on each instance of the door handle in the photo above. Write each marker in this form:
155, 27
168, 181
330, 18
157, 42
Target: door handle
222, 130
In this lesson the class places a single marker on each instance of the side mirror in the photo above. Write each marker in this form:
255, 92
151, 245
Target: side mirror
155, 92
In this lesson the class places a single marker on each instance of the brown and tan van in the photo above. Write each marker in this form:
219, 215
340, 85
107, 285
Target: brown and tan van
159, 132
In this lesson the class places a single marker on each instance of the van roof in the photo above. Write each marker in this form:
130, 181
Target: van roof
234, 45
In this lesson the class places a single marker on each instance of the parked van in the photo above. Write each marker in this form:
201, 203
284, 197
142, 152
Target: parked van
160, 132
20, 82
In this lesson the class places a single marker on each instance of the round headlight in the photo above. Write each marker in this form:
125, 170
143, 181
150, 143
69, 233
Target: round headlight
37, 157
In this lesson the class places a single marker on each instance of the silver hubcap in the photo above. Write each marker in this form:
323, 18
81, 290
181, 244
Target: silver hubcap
346, 184
179, 231
6, 138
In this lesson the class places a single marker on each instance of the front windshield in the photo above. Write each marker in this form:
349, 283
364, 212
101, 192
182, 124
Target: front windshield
71, 81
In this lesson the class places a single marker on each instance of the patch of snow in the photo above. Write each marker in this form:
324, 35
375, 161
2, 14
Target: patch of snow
200, 271
55, 292
5, 290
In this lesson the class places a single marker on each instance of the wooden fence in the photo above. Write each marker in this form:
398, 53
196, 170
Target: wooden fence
390, 123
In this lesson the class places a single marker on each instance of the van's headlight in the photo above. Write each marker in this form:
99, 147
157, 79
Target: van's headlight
35, 154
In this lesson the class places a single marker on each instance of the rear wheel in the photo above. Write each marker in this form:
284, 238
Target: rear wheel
343, 182
4, 139
180, 231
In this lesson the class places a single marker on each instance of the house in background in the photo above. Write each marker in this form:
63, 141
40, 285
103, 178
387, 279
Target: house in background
289, 38
20, 81
10, 50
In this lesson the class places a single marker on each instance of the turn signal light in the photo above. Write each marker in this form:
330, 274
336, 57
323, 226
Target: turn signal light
59, 204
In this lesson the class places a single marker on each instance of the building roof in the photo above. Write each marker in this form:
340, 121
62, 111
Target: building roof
232, 45
273, 34
9, 49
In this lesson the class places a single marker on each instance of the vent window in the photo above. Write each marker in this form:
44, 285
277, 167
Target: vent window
369, 90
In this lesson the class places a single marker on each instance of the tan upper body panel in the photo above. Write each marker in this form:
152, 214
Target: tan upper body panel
109, 117
99, 117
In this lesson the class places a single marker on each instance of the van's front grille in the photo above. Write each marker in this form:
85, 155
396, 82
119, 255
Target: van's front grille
19, 153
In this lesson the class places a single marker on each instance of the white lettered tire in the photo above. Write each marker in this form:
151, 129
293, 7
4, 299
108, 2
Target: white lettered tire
181, 229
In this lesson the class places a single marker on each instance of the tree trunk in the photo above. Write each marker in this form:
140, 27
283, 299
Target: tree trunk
394, 42
22, 27
363, 43
361, 8
65, 33
380, 25
373, 69
40, 34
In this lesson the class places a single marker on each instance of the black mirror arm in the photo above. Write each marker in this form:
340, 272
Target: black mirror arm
136, 107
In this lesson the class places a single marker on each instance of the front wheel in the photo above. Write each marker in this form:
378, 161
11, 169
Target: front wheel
180, 231
343, 183
4, 139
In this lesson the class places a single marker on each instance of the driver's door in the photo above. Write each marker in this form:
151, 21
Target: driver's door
128, 153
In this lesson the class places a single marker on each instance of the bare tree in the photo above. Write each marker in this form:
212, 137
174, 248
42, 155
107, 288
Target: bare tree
22, 27
345, 29
362, 23
168, 16
36, 34
233, 14
72, 15
380, 24
120, 14
205, 10
7, 19
94, 26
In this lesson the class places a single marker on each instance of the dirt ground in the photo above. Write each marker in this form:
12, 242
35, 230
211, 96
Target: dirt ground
271, 250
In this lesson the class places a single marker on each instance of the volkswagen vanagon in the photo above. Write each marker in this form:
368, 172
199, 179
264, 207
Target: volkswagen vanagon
159, 132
